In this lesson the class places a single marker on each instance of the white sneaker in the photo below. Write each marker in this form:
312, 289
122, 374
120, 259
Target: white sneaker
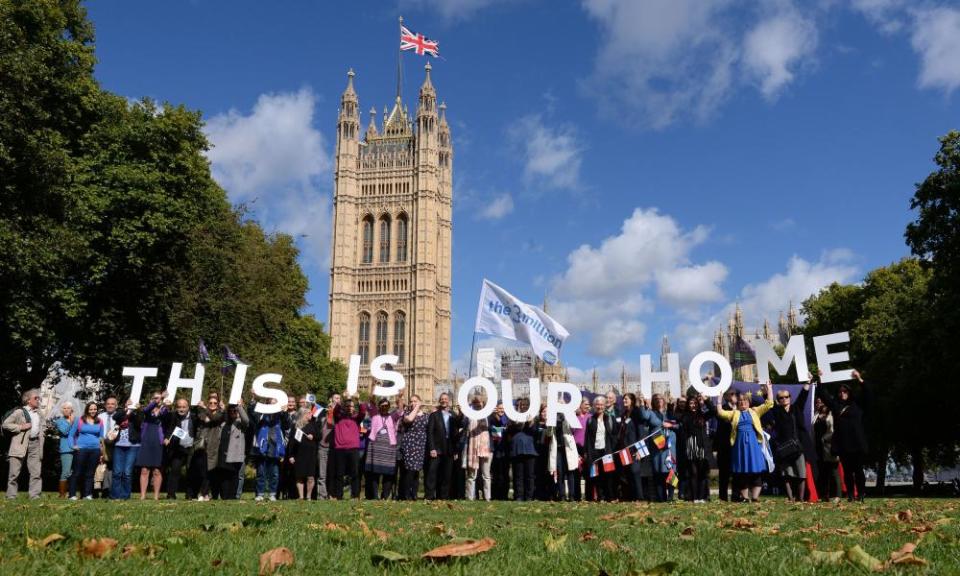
88, 497
259, 498
74, 498
200, 498
273, 498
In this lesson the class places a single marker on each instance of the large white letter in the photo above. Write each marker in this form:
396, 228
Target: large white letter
508, 408
353, 375
139, 375
793, 352
239, 378
672, 375
825, 358
726, 373
568, 409
463, 398
260, 390
377, 371
195, 384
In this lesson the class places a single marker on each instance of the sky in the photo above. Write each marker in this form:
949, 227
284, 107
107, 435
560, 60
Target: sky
645, 165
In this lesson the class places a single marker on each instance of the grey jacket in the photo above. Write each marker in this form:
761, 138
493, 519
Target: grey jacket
21, 439
233, 442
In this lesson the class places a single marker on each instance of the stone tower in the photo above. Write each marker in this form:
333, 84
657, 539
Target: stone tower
390, 272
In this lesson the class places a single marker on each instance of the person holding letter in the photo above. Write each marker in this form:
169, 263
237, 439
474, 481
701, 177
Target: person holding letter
849, 436
746, 438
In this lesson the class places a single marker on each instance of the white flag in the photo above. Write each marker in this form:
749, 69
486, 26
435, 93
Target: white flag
501, 314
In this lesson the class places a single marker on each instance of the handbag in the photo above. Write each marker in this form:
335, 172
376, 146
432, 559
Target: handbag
787, 450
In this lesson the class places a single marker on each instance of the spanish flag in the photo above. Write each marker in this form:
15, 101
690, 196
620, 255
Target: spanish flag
608, 464
625, 457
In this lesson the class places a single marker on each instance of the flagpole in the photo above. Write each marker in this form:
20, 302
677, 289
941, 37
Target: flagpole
399, 58
473, 353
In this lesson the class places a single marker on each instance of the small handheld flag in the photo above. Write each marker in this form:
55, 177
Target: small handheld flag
672, 478
202, 353
230, 360
608, 464
660, 441
625, 457
642, 450
593, 470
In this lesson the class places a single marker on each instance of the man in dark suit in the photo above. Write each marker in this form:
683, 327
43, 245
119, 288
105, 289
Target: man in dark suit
598, 442
442, 431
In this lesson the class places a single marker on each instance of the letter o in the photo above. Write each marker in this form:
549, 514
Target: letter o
464, 403
726, 373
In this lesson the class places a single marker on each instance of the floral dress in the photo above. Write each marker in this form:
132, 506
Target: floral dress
413, 441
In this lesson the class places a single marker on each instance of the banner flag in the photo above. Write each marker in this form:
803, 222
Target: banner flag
625, 457
743, 354
202, 355
608, 463
642, 450
660, 441
501, 314
593, 470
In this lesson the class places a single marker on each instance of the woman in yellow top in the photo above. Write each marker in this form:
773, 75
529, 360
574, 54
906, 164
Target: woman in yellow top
746, 436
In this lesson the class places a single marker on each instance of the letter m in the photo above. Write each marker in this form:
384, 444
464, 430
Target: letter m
793, 352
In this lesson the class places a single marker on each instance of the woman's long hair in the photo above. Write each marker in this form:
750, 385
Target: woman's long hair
84, 417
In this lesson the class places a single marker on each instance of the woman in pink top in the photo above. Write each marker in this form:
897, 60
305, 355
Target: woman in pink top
381, 461
346, 447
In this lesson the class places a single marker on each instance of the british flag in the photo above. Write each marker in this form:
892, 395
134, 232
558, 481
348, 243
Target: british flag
419, 43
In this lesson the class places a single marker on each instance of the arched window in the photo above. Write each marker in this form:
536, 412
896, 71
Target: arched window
363, 343
367, 240
402, 238
381, 333
385, 239
399, 335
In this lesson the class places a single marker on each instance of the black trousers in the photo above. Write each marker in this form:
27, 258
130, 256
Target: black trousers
724, 474
197, 483
853, 474
379, 486
828, 480
84, 467
698, 480
437, 481
228, 476
524, 478
500, 477
345, 463
634, 482
409, 483
176, 459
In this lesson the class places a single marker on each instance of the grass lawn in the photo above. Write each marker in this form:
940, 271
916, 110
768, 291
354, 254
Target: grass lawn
772, 537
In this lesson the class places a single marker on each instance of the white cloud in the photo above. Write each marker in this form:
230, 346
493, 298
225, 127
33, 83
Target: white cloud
605, 290
936, 38
884, 14
499, 207
775, 47
274, 160
454, 10
765, 300
551, 154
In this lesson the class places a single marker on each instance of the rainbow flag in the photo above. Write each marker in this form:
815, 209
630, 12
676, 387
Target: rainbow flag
672, 478
660, 441
608, 464
625, 457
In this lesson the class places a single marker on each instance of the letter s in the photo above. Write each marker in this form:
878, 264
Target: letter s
261, 390
377, 371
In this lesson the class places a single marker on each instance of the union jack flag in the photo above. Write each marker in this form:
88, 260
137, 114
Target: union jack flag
419, 43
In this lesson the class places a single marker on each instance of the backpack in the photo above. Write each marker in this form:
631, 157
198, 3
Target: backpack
7, 435
263, 439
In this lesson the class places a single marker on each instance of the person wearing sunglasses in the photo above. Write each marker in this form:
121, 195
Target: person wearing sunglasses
788, 432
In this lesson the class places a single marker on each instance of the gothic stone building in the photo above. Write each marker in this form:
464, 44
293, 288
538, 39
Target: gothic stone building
724, 343
392, 232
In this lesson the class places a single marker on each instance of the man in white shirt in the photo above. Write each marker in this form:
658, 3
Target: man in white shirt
26, 424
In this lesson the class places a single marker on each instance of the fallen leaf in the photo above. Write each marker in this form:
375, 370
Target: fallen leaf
465, 548
905, 515
658, 570
96, 547
687, 533
216, 562
470, 521
146, 551
860, 557
609, 545
743, 524
587, 536
922, 528
820, 557
388, 557
904, 556
554, 544
44, 542
273, 559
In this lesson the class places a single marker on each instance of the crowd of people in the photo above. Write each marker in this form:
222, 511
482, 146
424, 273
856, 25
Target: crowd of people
625, 448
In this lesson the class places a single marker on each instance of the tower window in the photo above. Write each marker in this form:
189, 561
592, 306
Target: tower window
402, 238
363, 343
385, 239
399, 335
367, 256
381, 333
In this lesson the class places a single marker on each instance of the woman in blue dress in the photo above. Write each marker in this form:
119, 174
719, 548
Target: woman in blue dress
746, 437
152, 442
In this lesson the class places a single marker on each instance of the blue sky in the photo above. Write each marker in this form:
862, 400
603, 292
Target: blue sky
646, 163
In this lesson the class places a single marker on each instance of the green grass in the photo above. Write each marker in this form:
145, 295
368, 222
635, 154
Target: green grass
531, 538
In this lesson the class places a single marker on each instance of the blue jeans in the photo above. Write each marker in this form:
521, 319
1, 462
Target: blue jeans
123, 460
268, 474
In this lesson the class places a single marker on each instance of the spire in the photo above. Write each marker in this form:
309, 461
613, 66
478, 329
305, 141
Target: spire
443, 113
665, 345
349, 89
372, 128
427, 85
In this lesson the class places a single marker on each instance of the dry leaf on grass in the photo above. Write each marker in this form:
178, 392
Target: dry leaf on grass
554, 544
96, 547
44, 542
905, 516
743, 524
687, 533
273, 559
904, 556
609, 545
388, 557
587, 536
465, 548
372, 532
146, 551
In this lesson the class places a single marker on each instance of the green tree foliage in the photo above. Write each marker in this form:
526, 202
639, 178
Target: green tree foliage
118, 246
